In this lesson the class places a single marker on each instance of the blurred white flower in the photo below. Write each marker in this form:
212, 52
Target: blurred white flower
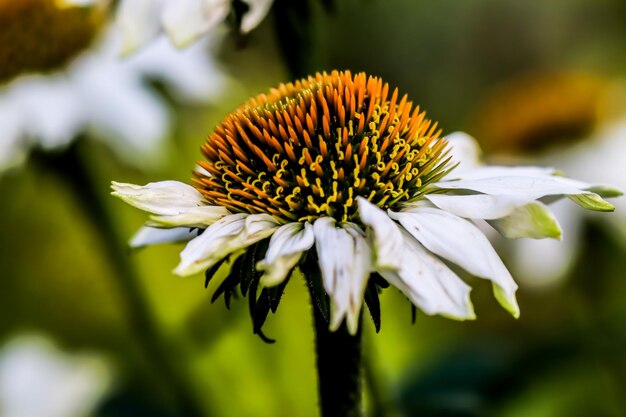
108, 96
184, 21
38, 380
599, 159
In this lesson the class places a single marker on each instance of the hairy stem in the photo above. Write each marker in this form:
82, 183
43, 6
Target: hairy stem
338, 369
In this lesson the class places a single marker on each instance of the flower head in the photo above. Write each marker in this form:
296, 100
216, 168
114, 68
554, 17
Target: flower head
340, 176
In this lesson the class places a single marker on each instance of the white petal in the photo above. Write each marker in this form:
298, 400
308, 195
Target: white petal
120, 109
139, 23
257, 12
493, 171
285, 249
230, 234
191, 217
191, 74
387, 238
477, 206
54, 112
465, 151
459, 241
186, 20
534, 220
166, 198
532, 187
345, 263
152, 236
430, 284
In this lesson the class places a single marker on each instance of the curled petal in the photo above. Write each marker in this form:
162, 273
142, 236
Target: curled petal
172, 203
257, 12
285, 249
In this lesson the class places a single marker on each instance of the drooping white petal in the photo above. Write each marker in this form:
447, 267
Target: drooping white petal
387, 239
186, 20
465, 151
429, 283
532, 187
477, 206
230, 234
345, 263
285, 249
533, 220
257, 12
165, 198
459, 241
139, 23
492, 171
153, 236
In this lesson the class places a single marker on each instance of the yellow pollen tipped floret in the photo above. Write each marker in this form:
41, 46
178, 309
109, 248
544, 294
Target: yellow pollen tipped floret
309, 148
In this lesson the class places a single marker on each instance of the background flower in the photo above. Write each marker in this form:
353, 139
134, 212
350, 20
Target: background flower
101, 93
36, 379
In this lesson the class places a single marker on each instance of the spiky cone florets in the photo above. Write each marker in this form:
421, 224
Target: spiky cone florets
307, 149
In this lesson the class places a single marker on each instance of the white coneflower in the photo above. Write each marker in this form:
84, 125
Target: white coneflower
341, 173
96, 90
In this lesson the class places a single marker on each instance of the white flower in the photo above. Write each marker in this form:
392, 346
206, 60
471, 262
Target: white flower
321, 197
36, 379
184, 21
108, 96
598, 158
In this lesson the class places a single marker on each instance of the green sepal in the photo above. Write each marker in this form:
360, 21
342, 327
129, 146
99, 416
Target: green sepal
254, 254
313, 276
210, 273
230, 282
592, 201
276, 293
373, 303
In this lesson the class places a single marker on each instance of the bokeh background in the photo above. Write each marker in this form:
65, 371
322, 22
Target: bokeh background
539, 81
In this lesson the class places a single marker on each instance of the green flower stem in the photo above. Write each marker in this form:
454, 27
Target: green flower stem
338, 369
72, 168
